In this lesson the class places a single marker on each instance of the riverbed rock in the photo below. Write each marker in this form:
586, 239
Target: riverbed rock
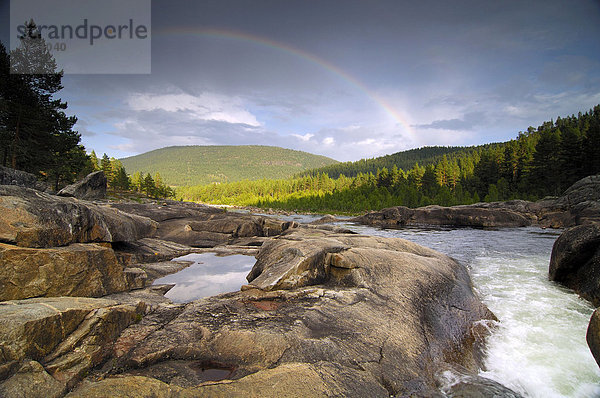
579, 204
33, 328
169, 210
149, 250
49, 344
575, 261
31, 218
86, 270
204, 226
10, 176
32, 380
326, 219
92, 187
472, 386
457, 216
324, 314
593, 335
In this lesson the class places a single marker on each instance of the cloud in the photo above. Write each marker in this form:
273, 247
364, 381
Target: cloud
83, 128
328, 141
468, 122
206, 106
306, 137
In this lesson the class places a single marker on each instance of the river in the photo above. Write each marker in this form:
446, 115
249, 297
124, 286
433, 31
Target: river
537, 349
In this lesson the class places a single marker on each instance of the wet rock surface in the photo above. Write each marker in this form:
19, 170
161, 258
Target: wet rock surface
593, 336
575, 261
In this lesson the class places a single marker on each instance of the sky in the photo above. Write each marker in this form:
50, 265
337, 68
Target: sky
345, 79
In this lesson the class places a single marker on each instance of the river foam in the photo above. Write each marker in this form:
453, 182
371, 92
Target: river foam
539, 348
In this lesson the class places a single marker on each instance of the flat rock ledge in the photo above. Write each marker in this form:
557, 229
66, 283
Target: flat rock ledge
324, 314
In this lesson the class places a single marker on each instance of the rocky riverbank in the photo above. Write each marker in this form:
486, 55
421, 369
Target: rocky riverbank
580, 204
575, 263
325, 312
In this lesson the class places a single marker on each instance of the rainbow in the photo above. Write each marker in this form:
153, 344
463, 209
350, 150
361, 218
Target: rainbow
286, 48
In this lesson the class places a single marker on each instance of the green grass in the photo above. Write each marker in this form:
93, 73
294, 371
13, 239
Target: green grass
198, 165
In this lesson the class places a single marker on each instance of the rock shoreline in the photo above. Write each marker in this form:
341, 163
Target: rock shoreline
580, 204
325, 313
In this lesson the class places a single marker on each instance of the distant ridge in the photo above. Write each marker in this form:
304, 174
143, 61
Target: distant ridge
198, 165
403, 160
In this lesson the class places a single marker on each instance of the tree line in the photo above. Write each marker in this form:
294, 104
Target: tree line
118, 179
538, 162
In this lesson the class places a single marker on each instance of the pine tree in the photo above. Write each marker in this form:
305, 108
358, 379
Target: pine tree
94, 161
546, 166
35, 133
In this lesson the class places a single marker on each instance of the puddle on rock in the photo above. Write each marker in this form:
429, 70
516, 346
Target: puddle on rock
209, 275
185, 373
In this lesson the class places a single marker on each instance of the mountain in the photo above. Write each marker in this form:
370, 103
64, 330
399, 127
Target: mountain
197, 165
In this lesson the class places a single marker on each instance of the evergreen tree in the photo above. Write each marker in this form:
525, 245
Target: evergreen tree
35, 133
94, 161
137, 181
148, 185
545, 173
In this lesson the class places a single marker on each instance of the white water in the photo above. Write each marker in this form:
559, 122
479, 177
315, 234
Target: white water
539, 347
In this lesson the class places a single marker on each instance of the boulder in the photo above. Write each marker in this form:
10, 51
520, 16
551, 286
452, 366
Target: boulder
92, 187
86, 270
473, 386
326, 219
585, 190
593, 336
458, 216
579, 204
131, 387
575, 261
31, 218
32, 380
324, 314
10, 176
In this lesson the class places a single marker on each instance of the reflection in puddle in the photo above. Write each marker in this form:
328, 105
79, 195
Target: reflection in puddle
209, 275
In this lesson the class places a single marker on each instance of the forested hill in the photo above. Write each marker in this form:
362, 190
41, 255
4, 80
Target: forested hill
197, 165
538, 162
403, 160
